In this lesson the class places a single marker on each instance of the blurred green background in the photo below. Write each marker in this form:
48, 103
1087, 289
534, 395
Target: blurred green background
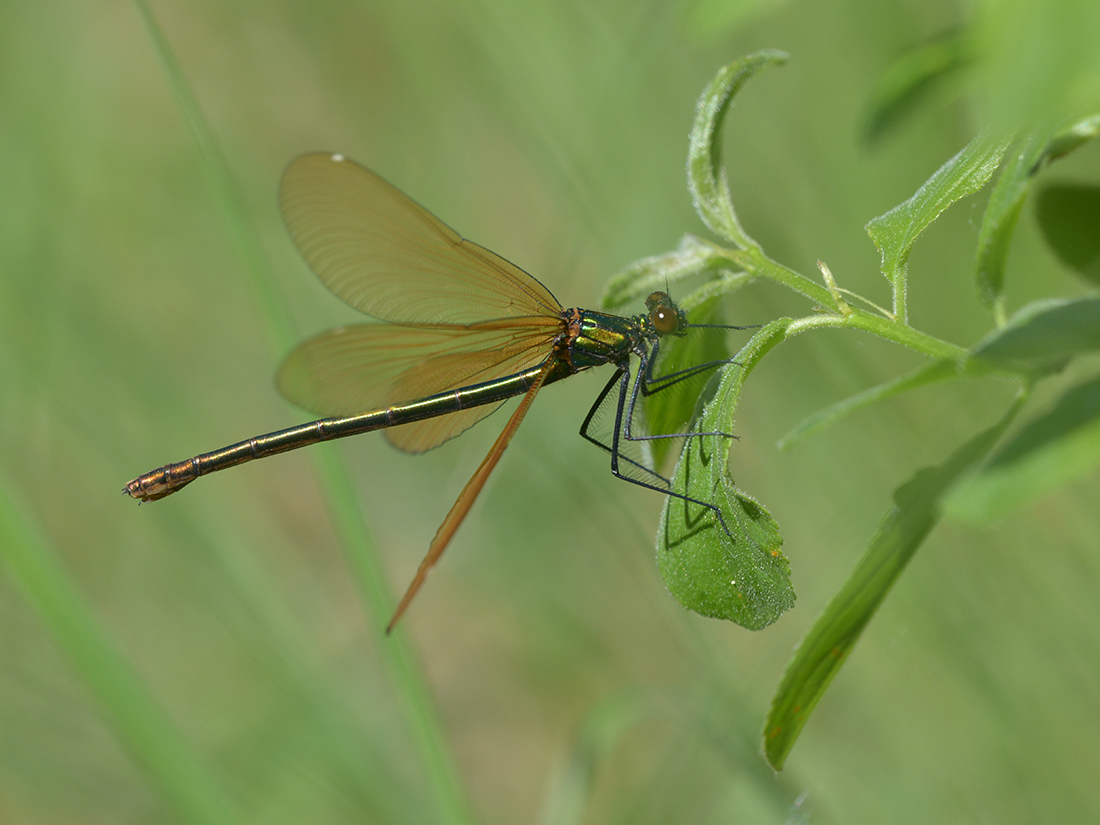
569, 684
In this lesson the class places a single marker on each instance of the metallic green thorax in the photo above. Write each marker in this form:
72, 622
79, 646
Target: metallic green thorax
593, 338
602, 338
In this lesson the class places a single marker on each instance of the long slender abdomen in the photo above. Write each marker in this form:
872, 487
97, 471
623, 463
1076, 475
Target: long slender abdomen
164, 481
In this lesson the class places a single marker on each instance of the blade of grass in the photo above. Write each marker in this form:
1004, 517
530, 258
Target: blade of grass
229, 202
421, 716
821, 654
140, 724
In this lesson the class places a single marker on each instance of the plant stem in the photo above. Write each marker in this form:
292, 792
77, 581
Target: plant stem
885, 328
755, 261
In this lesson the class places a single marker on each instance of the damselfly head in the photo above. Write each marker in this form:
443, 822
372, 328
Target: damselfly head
665, 317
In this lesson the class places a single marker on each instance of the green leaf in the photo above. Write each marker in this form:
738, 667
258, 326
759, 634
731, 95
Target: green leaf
1069, 217
742, 576
913, 76
895, 232
1042, 335
821, 654
706, 177
939, 370
692, 257
1073, 136
1007, 199
1052, 450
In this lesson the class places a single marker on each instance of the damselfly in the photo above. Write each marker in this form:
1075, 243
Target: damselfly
465, 330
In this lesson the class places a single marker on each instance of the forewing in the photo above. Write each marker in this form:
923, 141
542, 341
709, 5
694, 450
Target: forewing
387, 256
367, 367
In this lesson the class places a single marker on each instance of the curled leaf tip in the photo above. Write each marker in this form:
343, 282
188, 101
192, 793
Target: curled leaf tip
706, 177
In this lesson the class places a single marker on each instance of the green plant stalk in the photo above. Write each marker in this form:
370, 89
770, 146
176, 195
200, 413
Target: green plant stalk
885, 328
755, 261
420, 714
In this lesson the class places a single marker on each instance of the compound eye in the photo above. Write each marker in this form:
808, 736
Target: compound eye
665, 319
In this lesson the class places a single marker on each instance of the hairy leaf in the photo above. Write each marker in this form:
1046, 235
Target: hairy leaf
741, 575
895, 232
706, 177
